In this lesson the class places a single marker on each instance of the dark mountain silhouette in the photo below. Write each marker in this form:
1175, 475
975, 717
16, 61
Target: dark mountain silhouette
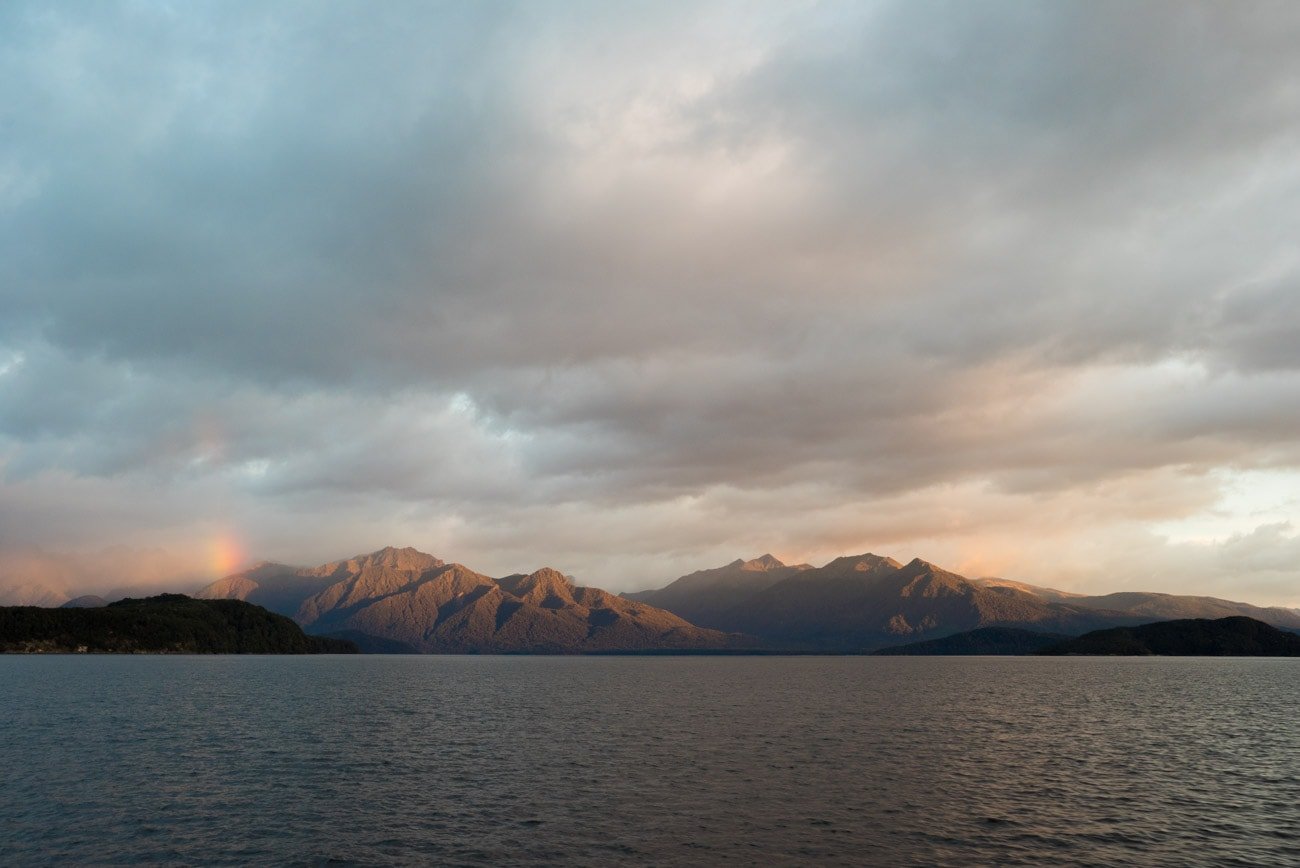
863, 602
1152, 606
87, 601
985, 640
418, 600
1238, 636
166, 624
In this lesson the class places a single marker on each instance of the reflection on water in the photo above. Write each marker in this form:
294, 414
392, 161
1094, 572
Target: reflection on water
685, 760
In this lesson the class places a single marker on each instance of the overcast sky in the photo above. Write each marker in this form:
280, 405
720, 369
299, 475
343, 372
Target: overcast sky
632, 290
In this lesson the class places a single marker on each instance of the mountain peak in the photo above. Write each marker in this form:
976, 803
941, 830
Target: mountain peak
864, 563
761, 563
538, 586
263, 570
405, 558
549, 574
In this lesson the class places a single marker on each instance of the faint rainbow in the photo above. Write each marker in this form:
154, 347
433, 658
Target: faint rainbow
227, 553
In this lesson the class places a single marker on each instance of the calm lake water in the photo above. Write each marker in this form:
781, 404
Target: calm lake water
672, 760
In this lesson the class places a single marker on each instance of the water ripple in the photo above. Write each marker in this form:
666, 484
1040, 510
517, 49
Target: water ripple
666, 761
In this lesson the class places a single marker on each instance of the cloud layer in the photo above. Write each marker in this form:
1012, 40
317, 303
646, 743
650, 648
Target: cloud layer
632, 290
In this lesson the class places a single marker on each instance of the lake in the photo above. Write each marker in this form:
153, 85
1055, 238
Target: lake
664, 760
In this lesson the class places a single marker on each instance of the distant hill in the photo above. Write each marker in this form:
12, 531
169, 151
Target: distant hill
87, 601
168, 624
864, 602
985, 640
428, 605
1152, 606
1224, 637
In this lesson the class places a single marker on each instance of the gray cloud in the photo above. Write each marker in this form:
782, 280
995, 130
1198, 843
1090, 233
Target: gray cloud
628, 289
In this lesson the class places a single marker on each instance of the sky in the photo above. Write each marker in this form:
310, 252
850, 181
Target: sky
635, 289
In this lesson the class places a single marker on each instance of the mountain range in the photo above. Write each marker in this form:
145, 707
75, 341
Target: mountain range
401, 599
863, 602
428, 605
1153, 606
867, 601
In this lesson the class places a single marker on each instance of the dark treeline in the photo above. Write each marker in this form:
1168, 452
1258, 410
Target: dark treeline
168, 624
1221, 637
1237, 636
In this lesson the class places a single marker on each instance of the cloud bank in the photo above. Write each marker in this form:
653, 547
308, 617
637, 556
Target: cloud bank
637, 289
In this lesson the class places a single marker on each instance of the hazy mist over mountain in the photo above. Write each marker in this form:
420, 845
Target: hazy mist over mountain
636, 289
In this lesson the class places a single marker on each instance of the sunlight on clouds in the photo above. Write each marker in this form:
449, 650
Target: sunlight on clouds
1248, 500
639, 290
